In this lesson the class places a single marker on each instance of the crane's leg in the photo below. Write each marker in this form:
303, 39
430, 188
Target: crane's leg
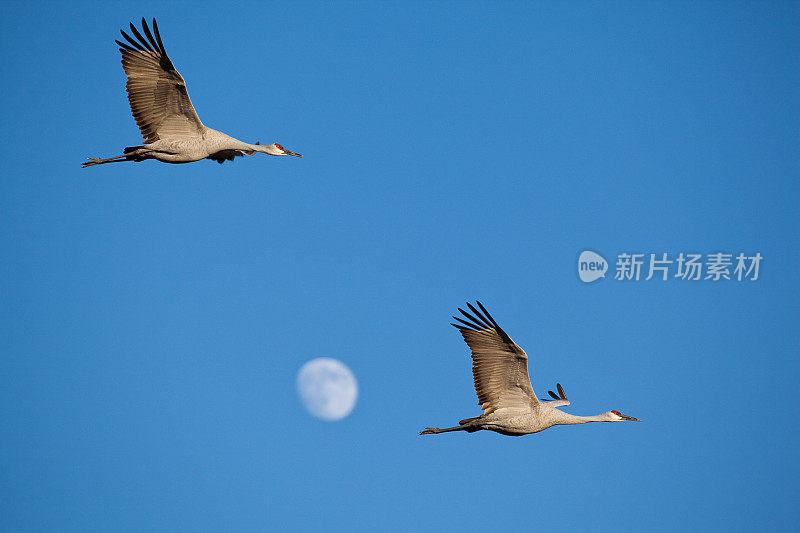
467, 428
97, 161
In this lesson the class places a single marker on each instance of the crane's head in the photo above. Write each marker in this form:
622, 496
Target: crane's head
616, 416
275, 149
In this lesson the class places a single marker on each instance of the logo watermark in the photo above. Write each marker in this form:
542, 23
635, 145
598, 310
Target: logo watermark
629, 266
591, 266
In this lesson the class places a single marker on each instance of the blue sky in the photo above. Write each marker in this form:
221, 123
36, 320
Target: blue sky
154, 316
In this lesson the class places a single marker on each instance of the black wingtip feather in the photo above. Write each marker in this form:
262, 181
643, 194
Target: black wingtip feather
487, 321
152, 43
148, 34
485, 312
464, 324
474, 323
124, 46
553, 395
145, 44
158, 37
131, 40
480, 316
561, 391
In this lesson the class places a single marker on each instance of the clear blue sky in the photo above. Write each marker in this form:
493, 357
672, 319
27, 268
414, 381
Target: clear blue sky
154, 316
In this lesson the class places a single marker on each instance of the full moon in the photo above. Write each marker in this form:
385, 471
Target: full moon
327, 388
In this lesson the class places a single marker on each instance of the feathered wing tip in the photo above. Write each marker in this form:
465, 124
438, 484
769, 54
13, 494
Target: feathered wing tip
560, 395
152, 43
480, 321
140, 43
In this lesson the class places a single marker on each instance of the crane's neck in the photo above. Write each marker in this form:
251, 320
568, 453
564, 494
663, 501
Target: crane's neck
270, 149
224, 141
563, 418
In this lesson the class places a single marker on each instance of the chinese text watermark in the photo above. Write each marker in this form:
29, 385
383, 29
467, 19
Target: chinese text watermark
629, 266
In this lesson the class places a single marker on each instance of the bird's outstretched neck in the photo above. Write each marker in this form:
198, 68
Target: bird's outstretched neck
272, 149
610, 416
566, 419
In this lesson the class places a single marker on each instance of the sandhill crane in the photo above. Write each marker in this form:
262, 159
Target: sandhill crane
500, 372
160, 104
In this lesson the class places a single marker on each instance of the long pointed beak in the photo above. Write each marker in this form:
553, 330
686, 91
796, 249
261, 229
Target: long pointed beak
626, 417
289, 152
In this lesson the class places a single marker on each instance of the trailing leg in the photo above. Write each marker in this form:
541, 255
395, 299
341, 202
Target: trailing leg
98, 161
131, 153
469, 428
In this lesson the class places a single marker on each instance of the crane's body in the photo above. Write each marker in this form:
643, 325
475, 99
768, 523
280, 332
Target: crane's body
516, 422
159, 100
500, 372
209, 144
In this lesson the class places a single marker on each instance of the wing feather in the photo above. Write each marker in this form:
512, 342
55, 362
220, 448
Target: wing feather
157, 93
559, 399
499, 365
138, 35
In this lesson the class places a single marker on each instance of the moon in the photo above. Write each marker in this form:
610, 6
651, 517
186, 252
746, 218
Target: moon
327, 388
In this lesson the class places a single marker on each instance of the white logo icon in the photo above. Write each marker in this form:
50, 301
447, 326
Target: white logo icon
591, 266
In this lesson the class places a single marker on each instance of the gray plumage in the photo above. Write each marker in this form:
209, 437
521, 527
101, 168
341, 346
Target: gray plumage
160, 104
505, 393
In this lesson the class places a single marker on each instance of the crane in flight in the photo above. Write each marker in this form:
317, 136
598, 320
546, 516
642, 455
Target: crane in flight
160, 104
500, 372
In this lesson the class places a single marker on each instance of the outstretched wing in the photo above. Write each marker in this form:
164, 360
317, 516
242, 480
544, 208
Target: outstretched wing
499, 366
559, 399
156, 91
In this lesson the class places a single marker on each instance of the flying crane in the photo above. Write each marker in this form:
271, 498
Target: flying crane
160, 104
500, 372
